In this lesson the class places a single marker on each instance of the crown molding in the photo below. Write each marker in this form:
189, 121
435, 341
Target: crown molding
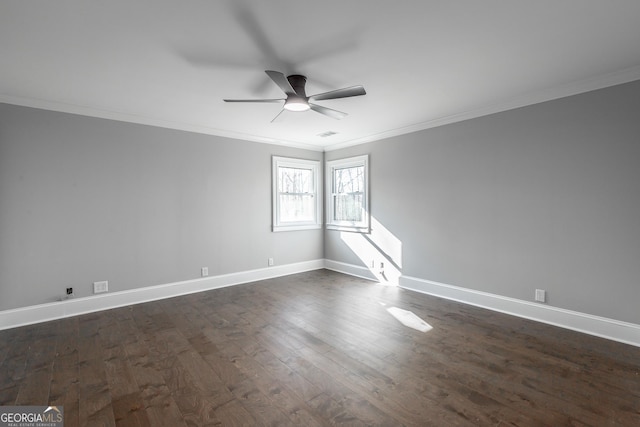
574, 88
62, 107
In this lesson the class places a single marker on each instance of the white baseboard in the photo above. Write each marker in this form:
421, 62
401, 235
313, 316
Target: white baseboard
77, 306
628, 333
350, 269
615, 330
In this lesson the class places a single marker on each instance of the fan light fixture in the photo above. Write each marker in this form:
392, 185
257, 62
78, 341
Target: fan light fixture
296, 104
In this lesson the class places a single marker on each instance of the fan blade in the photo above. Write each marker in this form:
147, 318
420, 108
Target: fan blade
249, 22
280, 117
339, 93
282, 82
334, 114
253, 100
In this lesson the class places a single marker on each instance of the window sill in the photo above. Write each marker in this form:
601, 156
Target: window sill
277, 229
352, 229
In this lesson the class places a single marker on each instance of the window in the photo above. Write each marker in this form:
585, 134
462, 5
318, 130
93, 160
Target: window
296, 205
348, 194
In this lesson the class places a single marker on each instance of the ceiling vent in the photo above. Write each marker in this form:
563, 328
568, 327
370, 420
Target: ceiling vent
327, 134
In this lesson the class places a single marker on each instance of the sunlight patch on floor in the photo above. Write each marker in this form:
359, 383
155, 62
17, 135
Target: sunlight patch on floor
409, 319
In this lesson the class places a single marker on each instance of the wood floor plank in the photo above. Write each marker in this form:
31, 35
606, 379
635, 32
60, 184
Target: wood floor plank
199, 409
95, 406
35, 388
8, 395
161, 407
234, 414
204, 378
65, 383
225, 369
119, 374
14, 370
271, 373
128, 410
259, 405
316, 349
266, 373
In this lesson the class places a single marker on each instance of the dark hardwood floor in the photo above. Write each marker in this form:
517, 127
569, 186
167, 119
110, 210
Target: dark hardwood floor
315, 349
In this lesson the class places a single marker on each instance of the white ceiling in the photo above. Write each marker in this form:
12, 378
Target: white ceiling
422, 63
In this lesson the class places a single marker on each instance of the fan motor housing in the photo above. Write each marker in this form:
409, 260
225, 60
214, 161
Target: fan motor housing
298, 82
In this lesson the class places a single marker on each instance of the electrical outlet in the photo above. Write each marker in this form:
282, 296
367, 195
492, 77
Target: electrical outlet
270, 262
69, 291
100, 287
541, 295
204, 271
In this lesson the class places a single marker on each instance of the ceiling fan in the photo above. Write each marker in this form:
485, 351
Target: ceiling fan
297, 99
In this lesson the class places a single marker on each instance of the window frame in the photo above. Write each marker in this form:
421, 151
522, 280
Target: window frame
363, 226
290, 162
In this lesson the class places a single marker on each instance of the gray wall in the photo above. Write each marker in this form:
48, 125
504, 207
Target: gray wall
546, 196
85, 199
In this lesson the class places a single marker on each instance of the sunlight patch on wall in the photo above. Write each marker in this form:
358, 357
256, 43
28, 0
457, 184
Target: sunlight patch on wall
409, 319
380, 251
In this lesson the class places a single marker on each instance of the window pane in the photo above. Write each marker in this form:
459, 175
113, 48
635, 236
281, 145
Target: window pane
294, 180
297, 207
348, 207
349, 180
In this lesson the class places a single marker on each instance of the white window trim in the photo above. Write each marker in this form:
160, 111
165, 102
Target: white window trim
314, 166
331, 224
